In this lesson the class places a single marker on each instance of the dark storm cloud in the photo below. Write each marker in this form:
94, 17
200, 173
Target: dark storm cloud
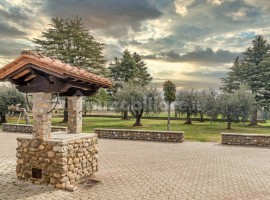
113, 17
197, 56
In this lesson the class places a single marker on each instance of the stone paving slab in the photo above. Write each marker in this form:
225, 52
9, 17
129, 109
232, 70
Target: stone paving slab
154, 170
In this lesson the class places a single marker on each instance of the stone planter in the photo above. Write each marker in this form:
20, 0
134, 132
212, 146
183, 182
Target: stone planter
162, 136
246, 139
26, 128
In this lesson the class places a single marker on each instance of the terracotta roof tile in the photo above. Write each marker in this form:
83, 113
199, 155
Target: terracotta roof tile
54, 65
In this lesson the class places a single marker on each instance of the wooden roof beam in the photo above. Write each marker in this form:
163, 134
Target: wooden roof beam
21, 74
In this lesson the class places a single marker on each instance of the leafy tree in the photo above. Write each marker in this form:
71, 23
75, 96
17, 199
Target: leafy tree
9, 96
233, 81
130, 67
143, 77
209, 104
201, 98
69, 41
169, 90
249, 71
246, 102
89, 103
263, 95
236, 105
229, 108
100, 100
204, 106
186, 103
138, 99
103, 98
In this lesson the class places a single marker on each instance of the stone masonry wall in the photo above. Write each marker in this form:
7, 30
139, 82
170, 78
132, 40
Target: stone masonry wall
162, 136
27, 128
41, 115
246, 139
63, 164
74, 114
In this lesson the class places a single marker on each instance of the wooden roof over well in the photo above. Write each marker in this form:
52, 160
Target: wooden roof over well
32, 72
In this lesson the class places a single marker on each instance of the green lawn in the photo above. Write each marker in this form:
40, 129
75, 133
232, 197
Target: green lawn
198, 131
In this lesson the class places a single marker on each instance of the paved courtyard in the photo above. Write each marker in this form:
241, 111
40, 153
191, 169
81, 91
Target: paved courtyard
154, 170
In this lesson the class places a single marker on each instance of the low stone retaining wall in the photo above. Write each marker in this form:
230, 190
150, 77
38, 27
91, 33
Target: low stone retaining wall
26, 128
246, 139
62, 162
162, 136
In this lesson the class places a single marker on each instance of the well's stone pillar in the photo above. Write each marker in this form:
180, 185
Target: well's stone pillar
74, 114
41, 117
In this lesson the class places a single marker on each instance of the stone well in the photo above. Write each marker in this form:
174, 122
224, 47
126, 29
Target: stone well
59, 159
62, 161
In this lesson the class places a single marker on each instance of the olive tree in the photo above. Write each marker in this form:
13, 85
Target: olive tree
236, 105
9, 96
209, 104
186, 103
138, 99
100, 100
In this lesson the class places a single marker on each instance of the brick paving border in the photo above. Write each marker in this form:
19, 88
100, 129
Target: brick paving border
154, 170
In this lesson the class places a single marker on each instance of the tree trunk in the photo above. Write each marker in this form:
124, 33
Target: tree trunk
138, 122
125, 115
229, 122
188, 121
201, 117
66, 111
3, 119
27, 121
175, 114
253, 121
169, 119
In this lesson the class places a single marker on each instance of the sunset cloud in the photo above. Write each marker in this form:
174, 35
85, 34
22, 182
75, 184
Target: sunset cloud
191, 42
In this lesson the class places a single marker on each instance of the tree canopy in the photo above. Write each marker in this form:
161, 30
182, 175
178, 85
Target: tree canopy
186, 103
130, 67
236, 105
253, 70
169, 90
69, 41
138, 100
9, 95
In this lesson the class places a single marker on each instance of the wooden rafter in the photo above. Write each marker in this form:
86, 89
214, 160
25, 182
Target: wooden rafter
21, 74
28, 78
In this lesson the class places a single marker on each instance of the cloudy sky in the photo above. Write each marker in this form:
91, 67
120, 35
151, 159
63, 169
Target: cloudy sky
191, 42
